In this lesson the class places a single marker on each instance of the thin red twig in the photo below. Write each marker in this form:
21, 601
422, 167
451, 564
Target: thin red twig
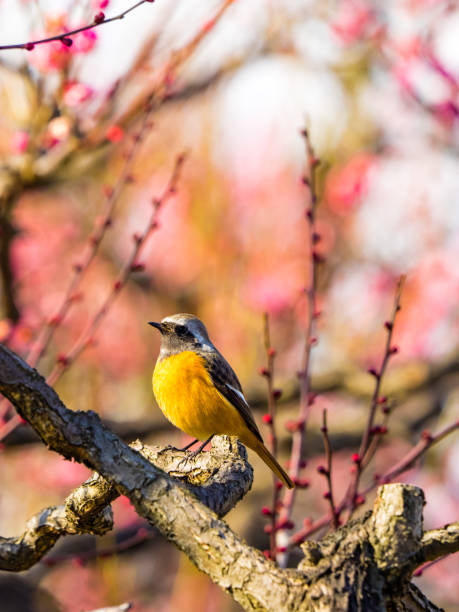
361, 458
99, 20
425, 443
269, 419
425, 566
142, 535
80, 268
132, 264
328, 471
155, 98
306, 398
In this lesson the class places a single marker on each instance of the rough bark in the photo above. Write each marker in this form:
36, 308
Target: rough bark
365, 565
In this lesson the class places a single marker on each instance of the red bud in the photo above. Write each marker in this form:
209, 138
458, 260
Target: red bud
137, 266
426, 435
281, 549
63, 359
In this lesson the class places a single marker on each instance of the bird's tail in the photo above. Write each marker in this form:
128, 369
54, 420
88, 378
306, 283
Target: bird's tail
272, 463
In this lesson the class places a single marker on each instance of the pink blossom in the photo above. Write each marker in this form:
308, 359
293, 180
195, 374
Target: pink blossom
50, 57
84, 41
19, 141
352, 20
98, 5
55, 55
76, 93
346, 184
274, 292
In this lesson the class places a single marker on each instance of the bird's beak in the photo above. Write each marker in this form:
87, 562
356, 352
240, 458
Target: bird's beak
157, 325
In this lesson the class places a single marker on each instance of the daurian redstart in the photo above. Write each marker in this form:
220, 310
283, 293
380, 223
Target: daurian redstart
198, 391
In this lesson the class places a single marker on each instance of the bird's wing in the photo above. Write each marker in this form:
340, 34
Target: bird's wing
227, 383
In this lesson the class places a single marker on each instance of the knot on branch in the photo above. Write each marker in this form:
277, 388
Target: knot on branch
395, 528
372, 557
88, 507
219, 477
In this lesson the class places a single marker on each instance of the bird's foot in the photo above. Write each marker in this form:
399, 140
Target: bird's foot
192, 454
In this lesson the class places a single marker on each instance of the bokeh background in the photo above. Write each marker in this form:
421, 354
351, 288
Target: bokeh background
377, 86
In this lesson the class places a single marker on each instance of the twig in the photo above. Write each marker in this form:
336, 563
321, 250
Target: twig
154, 100
7, 235
327, 471
306, 397
378, 433
425, 566
360, 459
131, 265
80, 268
141, 535
11, 424
269, 419
427, 441
99, 20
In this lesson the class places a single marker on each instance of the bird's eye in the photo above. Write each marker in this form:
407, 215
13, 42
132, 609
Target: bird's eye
181, 330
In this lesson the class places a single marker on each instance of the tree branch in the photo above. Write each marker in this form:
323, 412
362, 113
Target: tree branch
440, 542
364, 565
167, 504
218, 478
85, 510
7, 234
64, 37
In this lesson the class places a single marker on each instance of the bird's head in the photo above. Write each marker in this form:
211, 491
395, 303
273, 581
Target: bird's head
182, 332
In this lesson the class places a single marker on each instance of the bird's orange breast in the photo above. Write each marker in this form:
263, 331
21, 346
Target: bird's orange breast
188, 398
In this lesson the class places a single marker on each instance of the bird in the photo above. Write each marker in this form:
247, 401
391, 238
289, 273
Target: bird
198, 391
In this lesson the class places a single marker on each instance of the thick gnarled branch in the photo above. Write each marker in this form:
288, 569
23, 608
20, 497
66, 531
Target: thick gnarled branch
218, 478
365, 565
171, 507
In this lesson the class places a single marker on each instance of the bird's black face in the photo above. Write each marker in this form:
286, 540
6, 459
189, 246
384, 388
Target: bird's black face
177, 329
